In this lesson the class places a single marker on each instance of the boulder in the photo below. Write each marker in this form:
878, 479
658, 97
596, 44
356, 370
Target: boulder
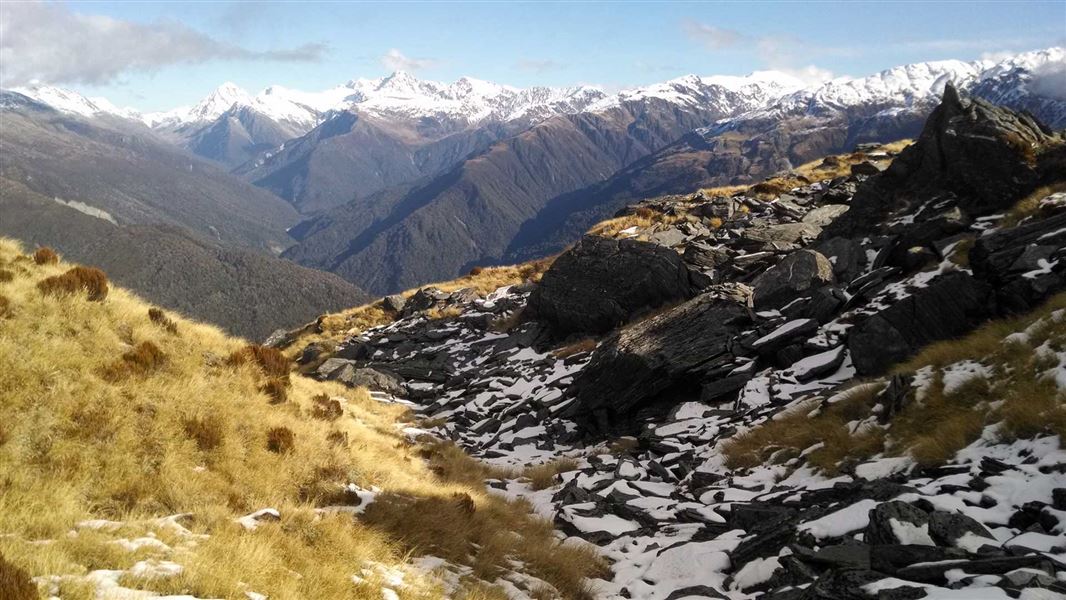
824, 215
1025, 263
987, 156
784, 233
952, 305
794, 277
846, 255
394, 303
659, 362
373, 379
896, 522
601, 283
947, 529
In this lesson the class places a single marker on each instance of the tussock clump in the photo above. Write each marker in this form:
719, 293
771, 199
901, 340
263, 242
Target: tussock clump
161, 319
206, 431
325, 408
464, 503
87, 279
542, 476
5, 307
583, 345
45, 256
276, 389
338, 438
141, 361
6, 275
15, 584
270, 360
281, 440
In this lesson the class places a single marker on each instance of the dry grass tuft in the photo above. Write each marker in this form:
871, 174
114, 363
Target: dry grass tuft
281, 440
88, 279
143, 360
542, 476
448, 312
582, 345
1028, 206
206, 431
277, 389
6, 275
6, 309
45, 256
271, 361
325, 408
161, 319
790, 433
15, 583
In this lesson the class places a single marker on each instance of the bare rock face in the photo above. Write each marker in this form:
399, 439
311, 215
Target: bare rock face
795, 276
951, 306
987, 156
1024, 263
665, 357
601, 283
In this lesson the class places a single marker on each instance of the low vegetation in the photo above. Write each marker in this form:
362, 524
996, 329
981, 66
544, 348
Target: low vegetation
333, 328
1011, 394
122, 444
92, 282
1028, 206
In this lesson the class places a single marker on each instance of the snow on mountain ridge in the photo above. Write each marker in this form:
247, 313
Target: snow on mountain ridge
400, 94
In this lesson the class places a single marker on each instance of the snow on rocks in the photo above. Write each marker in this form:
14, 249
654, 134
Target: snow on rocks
660, 502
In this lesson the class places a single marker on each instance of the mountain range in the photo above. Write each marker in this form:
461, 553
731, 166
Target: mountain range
396, 181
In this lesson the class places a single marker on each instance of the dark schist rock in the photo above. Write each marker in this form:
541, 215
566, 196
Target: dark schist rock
796, 275
952, 305
665, 357
1023, 263
987, 156
601, 283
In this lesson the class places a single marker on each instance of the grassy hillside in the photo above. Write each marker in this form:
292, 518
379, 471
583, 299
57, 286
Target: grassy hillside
133, 444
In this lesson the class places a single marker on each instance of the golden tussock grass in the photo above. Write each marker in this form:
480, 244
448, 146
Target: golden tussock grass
1028, 206
582, 345
45, 256
192, 438
86, 279
487, 528
15, 584
141, 361
161, 319
1019, 397
542, 476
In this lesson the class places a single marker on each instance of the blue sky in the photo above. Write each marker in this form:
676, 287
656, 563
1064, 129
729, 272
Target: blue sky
169, 53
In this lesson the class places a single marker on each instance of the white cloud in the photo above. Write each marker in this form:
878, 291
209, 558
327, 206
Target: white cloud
394, 60
1050, 81
712, 37
50, 43
780, 53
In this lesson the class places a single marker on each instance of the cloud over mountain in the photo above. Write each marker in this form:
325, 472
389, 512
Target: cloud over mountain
49, 42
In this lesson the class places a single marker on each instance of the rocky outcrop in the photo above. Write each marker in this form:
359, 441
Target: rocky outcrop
792, 278
665, 357
986, 156
601, 283
1025, 263
952, 305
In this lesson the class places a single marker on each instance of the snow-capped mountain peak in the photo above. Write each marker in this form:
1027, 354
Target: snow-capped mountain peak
69, 101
